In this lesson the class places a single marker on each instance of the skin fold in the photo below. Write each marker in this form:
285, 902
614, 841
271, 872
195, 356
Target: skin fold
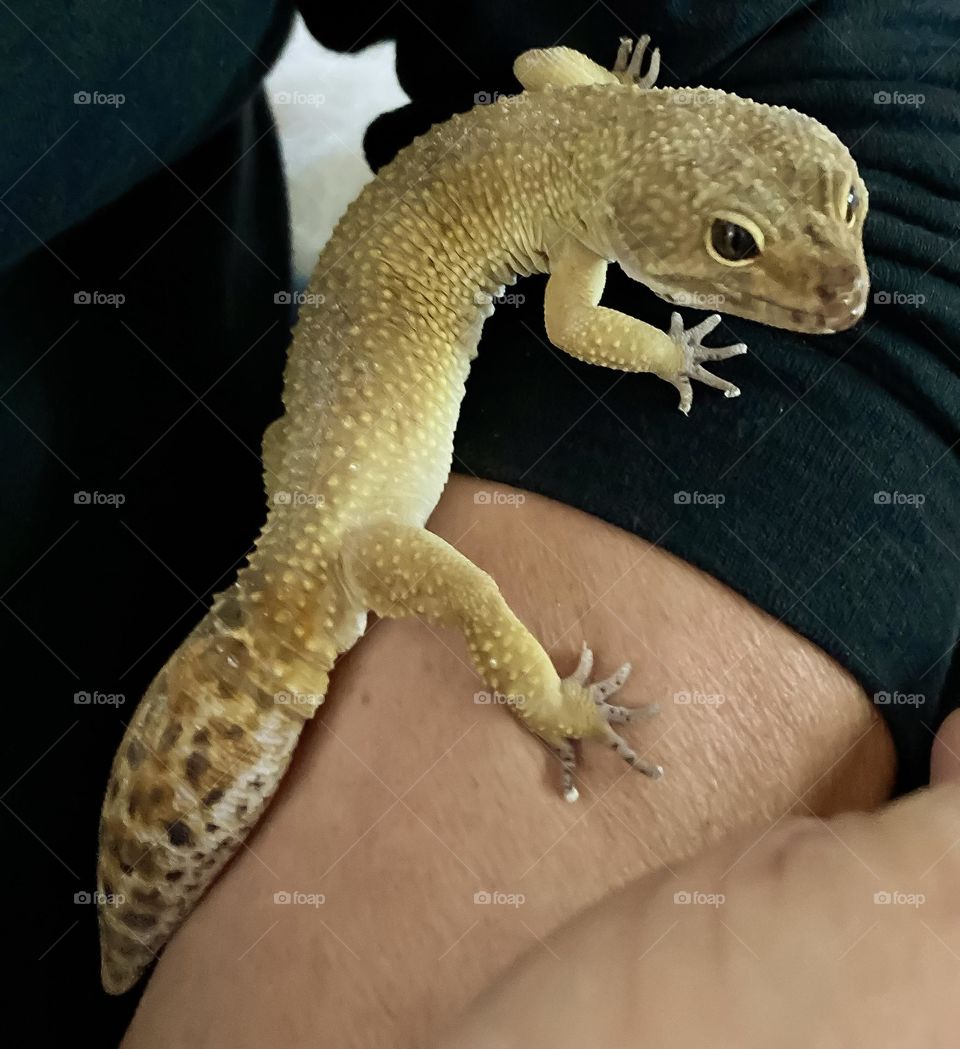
399, 947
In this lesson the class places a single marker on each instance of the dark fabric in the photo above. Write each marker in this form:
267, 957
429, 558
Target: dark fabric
100, 398
823, 462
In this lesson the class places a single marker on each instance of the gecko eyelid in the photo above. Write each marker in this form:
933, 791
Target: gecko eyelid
733, 240
851, 206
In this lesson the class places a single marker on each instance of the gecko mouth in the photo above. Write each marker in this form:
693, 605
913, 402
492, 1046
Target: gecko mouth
813, 322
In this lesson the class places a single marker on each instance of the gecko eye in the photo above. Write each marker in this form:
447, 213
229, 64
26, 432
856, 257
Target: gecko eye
730, 242
853, 202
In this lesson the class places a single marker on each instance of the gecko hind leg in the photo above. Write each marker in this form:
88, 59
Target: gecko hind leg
400, 571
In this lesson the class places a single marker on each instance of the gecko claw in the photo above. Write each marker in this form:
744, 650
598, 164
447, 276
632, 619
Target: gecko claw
609, 714
695, 353
627, 66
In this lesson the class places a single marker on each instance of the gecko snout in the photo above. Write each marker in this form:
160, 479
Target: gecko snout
842, 293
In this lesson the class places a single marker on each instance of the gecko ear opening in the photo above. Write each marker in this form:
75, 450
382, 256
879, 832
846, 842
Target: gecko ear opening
733, 240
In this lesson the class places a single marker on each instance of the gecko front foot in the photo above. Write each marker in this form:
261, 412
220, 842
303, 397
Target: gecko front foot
597, 693
627, 66
695, 353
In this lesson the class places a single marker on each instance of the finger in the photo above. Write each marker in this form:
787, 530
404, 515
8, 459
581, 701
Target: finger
704, 327
721, 353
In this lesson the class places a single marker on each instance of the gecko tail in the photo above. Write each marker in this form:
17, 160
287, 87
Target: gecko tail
203, 755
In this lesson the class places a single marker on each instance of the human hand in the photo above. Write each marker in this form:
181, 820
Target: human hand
843, 933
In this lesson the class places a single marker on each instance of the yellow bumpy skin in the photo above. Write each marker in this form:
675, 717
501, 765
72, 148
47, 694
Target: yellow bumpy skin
691, 192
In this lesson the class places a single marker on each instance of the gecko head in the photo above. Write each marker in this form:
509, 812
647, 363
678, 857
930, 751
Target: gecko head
761, 217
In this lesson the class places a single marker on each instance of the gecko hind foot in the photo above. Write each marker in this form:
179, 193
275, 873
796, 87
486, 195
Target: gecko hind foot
609, 714
627, 66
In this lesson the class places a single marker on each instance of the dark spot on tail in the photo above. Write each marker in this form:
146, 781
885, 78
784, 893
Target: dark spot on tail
201, 737
213, 796
135, 920
228, 729
170, 735
179, 834
230, 612
136, 752
196, 765
148, 899
173, 875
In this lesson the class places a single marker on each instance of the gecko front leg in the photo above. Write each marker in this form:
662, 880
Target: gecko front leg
578, 325
563, 67
400, 571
